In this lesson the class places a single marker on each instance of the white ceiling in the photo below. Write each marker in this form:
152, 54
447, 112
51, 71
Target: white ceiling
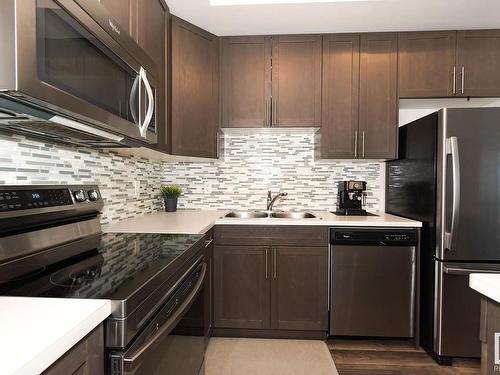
350, 16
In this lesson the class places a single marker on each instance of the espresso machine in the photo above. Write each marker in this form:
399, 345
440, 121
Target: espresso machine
351, 198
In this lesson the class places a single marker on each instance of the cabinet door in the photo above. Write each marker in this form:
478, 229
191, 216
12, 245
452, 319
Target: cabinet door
150, 32
339, 120
299, 294
378, 102
194, 91
121, 11
478, 63
150, 29
427, 64
85, 358
242, 287
246, 81
296, 87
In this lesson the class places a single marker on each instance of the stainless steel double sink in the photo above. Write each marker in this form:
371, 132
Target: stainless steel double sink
270, 215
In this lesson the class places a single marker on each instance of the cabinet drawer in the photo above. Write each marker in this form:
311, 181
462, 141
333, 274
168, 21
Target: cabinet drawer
264, 235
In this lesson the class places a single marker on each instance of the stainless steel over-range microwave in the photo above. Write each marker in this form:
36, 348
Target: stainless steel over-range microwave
69, 72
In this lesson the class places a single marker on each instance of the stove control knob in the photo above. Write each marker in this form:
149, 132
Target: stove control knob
79, 196
93, 195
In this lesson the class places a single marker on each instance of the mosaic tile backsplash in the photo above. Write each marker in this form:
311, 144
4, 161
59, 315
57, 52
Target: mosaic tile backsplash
254, 163
26, 161
251, 165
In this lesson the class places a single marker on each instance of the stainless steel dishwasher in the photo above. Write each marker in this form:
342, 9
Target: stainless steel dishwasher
373, 276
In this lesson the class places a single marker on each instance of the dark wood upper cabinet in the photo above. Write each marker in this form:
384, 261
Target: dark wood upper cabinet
478, 63
299, 288
150, 29
151, 32
296, 80
427, 64
378, 100
246, 81
271, 81
241, 287
339, 120
195, 90
121, 11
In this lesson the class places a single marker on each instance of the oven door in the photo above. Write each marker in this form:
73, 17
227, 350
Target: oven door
174, 341
68, 63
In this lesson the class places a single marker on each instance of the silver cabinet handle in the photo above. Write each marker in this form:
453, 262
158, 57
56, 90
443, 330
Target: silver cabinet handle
329, 272
266, 114
355, 143
209, 242
275, 112
463, 79
217, 144
151, 103
454, 79
267, 250
363, 134
452, 148
275, 263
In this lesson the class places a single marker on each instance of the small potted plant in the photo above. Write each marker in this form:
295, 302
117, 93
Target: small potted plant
170, 193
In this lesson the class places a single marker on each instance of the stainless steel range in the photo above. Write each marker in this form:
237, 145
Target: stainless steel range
51, 245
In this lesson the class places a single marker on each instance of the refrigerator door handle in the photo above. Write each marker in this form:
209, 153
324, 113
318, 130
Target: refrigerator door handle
452, 148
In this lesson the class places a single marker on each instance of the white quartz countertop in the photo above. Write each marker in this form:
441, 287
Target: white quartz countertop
179, 222
488, 284
200, 221
35, 332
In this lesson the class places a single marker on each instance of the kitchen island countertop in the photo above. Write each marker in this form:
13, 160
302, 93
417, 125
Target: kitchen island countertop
36, 332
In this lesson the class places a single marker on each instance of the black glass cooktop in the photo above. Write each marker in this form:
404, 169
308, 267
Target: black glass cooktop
121, 265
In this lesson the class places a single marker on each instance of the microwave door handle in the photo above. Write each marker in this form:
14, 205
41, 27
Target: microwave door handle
133, 97
132, 360
151, 103
452, 148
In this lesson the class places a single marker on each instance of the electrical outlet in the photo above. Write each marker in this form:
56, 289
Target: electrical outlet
137, 188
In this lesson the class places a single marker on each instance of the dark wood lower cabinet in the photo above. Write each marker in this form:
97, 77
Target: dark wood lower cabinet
299, 288
242, 286
85, 358
272, 285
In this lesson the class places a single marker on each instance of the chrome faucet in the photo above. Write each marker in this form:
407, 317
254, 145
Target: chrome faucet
271, 200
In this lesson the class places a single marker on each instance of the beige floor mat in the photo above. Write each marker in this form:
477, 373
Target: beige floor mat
241, 356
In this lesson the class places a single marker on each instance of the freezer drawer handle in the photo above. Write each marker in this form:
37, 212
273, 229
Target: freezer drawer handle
452, 148
466, 271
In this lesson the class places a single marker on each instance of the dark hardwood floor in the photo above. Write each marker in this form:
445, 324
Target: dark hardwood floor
391, 357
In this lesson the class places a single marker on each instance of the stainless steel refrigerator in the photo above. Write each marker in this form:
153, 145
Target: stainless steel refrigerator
447, 175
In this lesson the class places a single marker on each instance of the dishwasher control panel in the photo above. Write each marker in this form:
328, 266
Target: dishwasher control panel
374, 236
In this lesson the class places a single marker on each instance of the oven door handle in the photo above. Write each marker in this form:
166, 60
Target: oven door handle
133, 359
